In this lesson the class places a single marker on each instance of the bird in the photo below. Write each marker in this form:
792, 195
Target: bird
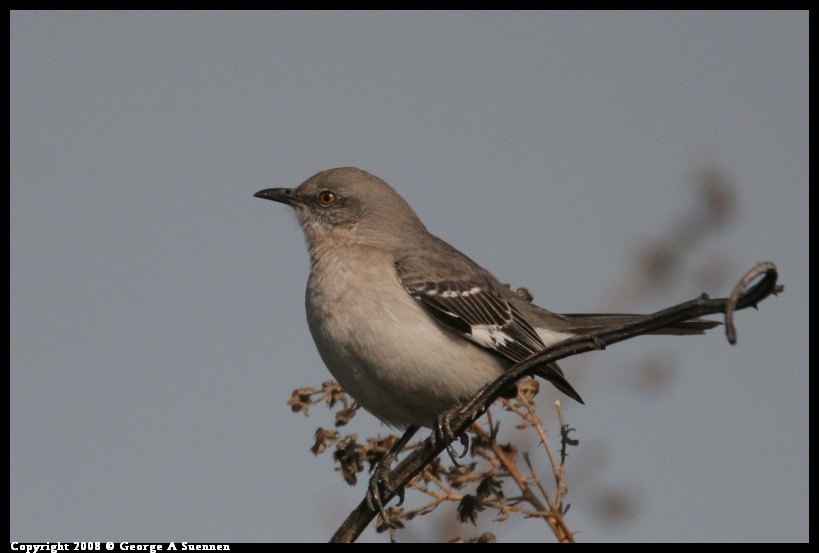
408, 325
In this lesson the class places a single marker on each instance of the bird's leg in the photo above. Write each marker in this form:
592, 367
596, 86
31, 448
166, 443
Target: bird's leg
443, 432
378, 481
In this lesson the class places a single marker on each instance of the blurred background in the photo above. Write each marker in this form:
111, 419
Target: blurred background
606, 161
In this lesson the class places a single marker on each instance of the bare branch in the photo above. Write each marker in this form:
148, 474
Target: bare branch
463, 416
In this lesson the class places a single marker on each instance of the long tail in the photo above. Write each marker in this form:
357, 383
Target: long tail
582, 322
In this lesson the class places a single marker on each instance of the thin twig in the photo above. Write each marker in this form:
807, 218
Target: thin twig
554, 516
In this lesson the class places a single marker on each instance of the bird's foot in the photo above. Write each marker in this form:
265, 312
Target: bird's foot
443, 431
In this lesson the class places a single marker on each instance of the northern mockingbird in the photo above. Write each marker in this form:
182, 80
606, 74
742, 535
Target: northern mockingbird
407, 324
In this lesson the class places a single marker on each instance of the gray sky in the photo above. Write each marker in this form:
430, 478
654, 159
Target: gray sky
157, 320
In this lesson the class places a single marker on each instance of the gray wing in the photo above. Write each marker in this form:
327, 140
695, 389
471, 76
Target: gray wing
475, 308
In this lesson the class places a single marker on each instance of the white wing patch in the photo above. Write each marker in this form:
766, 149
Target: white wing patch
551, 337
455, 293
490, 337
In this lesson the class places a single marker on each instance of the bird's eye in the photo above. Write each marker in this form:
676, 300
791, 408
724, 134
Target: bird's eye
326, 198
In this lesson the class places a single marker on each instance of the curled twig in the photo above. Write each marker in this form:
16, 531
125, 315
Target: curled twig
765, 267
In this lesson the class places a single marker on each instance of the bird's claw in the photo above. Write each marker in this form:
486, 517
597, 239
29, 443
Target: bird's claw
377, 489
443, 432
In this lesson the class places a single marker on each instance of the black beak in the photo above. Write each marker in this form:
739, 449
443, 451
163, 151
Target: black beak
281, 195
